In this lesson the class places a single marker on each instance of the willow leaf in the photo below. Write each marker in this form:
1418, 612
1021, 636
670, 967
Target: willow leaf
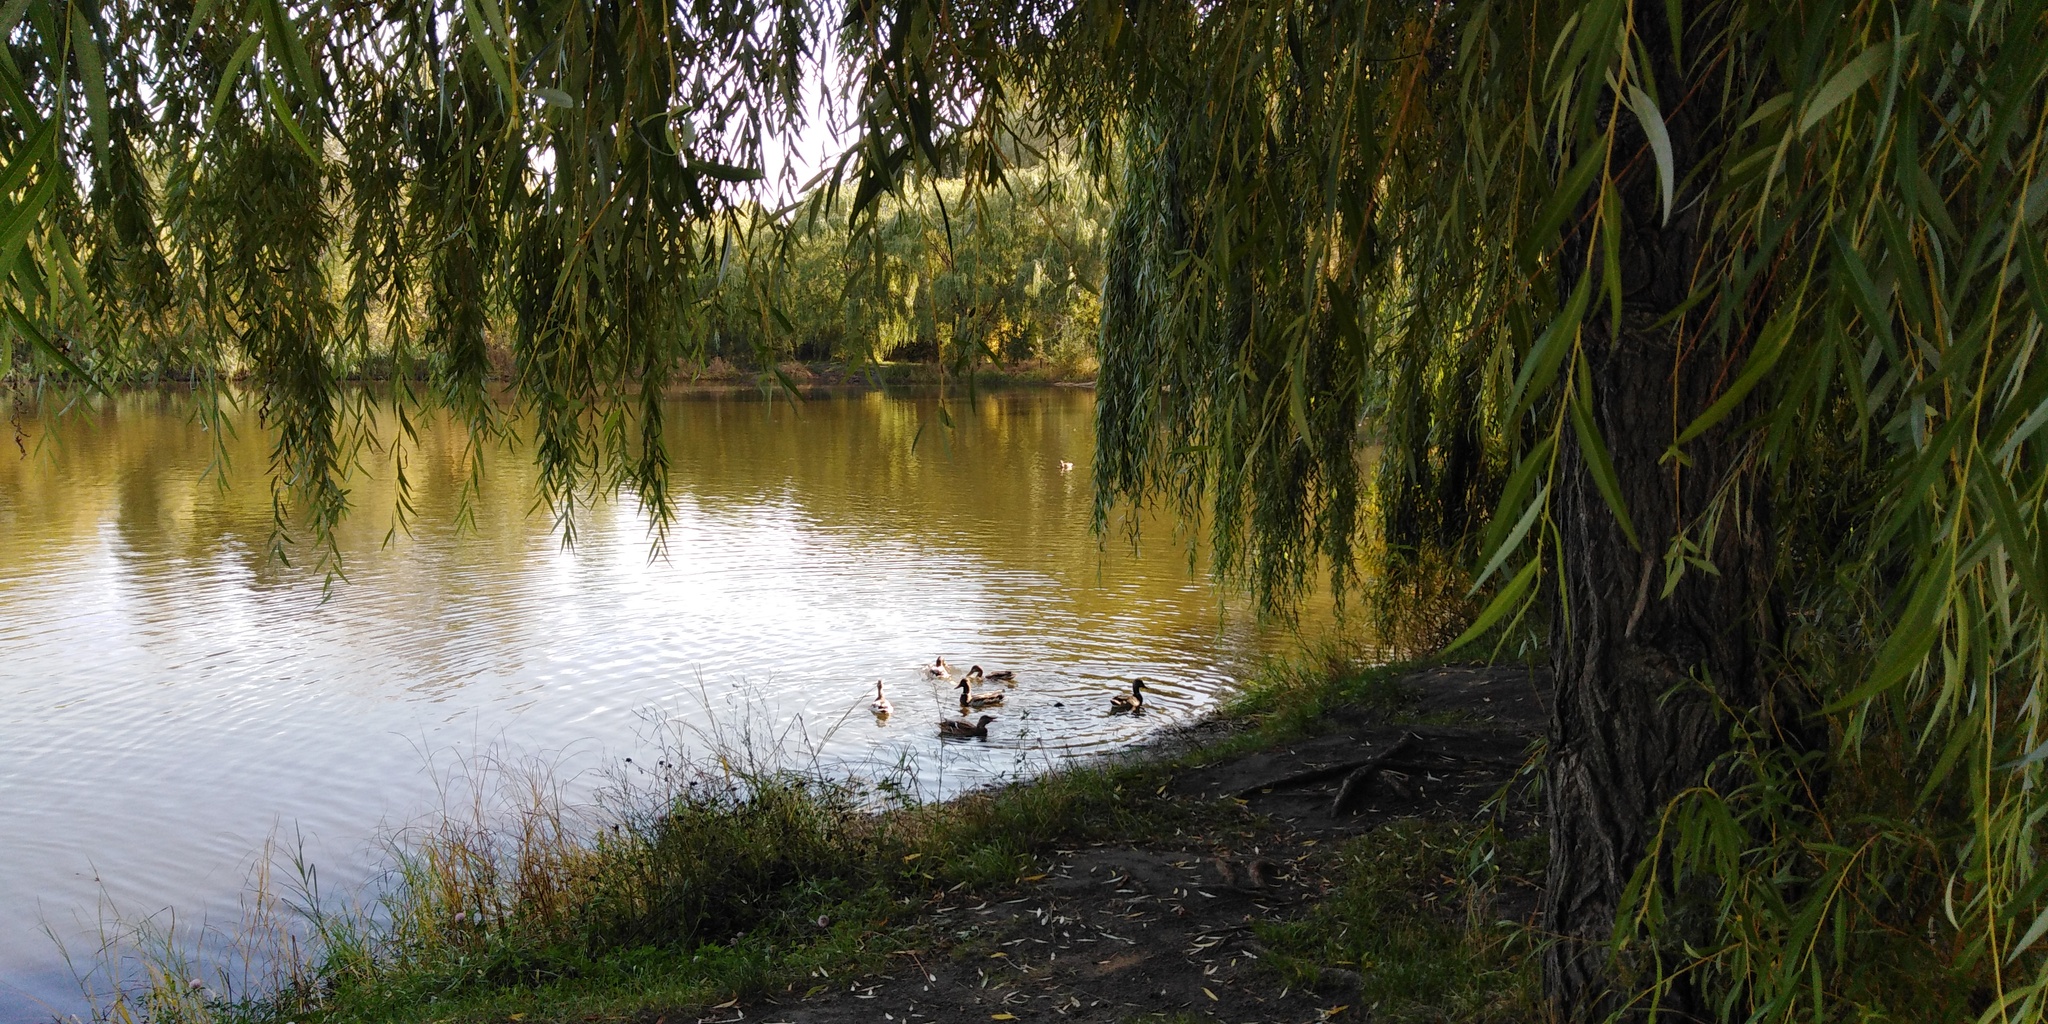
487, 48
16, 224
1845, 82
2033, 935
2019, 544
34, 151
1598, 462
233, 73
1517, 489
2025, 430
1768, 109
1540, 366
2034, 201
1863, 291
1510, 598
1660, 142
275, 96
1514, 538
92, 73
1562, 202
1906, 649
1769, 346
291, 47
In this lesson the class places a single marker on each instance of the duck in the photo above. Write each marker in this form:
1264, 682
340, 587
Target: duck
1132, 701
963, 727
880, 705
938, 669
986, 698
1066, 467
1001, 675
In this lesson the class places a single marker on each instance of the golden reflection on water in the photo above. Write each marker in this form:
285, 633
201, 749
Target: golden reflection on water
170, 693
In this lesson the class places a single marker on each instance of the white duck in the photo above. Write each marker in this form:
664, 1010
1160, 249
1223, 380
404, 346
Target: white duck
880, 705
938, 669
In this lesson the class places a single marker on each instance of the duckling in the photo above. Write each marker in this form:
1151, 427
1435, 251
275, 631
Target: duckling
1132, 701
963, 727
1001, 675
880, 705
938, 669
985, 698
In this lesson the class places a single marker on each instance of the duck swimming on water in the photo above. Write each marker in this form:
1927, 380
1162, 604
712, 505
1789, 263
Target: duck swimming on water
963, 727
938, 669
985, 698
1001, 675
880, 705
1132, 701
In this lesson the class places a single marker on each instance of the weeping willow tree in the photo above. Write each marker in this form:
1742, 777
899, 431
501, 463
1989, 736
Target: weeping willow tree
1698, 336
274, 188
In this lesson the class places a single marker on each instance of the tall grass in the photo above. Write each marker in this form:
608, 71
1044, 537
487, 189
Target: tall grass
153, 967
700, 876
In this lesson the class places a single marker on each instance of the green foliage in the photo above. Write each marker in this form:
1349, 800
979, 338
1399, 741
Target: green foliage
939, 275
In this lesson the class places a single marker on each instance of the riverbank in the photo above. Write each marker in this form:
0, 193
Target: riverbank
1341, 842
720, 376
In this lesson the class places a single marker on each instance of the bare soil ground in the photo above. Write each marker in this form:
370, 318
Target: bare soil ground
1163, 927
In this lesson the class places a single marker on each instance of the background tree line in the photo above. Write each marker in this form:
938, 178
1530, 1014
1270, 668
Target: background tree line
1002, 276
997, 278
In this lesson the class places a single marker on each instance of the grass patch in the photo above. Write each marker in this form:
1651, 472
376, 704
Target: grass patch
1291, 697
738, 885
1412, 914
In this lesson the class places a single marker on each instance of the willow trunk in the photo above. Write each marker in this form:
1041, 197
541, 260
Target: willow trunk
1642, 676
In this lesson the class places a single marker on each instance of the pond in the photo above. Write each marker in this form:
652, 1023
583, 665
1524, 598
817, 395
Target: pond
172, 694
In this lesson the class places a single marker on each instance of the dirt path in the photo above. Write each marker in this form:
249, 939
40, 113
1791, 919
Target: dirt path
1122, 932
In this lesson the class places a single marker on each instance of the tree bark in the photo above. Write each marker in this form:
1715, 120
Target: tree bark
1635, 720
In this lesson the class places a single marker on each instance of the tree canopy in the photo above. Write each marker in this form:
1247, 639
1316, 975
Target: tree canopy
1699, 336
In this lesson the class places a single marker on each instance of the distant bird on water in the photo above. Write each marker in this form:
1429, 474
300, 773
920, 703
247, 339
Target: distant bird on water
1132, 701
1066, 467
938, 669
1001, 675
963, 727
880, 705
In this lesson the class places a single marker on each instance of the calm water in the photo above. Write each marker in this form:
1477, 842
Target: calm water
170, 695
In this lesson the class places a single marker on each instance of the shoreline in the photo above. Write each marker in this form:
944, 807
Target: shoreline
1215, 863
828, 377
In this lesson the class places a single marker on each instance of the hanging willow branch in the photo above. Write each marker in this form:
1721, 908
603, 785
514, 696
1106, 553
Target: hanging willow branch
270, 187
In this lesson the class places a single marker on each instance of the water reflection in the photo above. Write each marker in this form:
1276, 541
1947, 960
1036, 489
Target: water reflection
170, 693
